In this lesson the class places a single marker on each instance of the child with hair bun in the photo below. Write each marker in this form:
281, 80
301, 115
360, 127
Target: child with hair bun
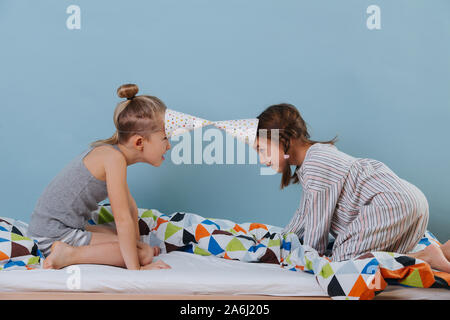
59, 219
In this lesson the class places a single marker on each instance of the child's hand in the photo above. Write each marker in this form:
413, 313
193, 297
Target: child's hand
156, 265
156, 251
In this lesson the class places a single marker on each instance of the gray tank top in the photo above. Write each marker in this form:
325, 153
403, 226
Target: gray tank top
69, 199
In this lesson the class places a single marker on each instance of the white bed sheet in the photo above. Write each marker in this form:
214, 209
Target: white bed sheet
190, 274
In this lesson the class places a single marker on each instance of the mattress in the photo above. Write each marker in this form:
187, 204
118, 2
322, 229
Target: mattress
189, 275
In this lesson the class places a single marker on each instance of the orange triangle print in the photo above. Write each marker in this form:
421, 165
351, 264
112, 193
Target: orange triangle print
359, 289
3, 256
201, 232
238, 228
159, 222
427, 275
257, 225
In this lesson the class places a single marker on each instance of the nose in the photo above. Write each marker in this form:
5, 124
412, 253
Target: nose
262, 159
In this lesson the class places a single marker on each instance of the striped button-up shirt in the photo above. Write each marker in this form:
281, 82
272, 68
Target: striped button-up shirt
362, 203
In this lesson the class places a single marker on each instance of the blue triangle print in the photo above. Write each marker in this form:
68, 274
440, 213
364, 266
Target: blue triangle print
255, 248
286, 245
371, 267
425, 241
188, 248
214, 247
210, 223
14, 263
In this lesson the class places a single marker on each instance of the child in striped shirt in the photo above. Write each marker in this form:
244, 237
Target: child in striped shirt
362, 203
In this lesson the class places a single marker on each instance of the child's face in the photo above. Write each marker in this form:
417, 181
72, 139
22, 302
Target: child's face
270, 154
156, 147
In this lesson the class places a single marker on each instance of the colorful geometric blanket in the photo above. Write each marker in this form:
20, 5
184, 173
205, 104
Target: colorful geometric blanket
17, 251
359, 278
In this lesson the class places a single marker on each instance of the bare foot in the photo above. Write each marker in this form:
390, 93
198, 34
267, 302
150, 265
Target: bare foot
59, 256
446, 249
434, 256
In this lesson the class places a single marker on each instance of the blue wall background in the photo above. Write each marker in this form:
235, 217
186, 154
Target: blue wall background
385, 93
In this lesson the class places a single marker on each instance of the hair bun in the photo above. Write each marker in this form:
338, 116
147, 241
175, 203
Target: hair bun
128, 90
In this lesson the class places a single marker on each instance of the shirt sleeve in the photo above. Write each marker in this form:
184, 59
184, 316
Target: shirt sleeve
322, 176
318, 215
297, 220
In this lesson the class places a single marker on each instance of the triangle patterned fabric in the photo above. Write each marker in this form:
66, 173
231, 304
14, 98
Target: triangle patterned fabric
359, 278
17, 251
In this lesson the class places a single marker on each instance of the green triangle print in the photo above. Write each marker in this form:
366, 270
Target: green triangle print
309, 265
16, 237
201, 251
235, 245
149, 214
170, 230
33, 260
274, 243
326, 271
413, 280
104, 216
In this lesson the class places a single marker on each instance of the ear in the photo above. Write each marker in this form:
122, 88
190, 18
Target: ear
138, 142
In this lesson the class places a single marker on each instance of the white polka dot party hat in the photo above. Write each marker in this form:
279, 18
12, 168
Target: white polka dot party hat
177, 123
243, 129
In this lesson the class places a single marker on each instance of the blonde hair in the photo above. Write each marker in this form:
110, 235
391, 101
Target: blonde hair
137, 115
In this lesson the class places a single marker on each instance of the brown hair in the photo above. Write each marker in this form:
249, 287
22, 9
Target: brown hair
291, 125
137, 115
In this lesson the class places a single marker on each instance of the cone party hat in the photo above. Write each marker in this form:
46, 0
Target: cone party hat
177, 123
242, 129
